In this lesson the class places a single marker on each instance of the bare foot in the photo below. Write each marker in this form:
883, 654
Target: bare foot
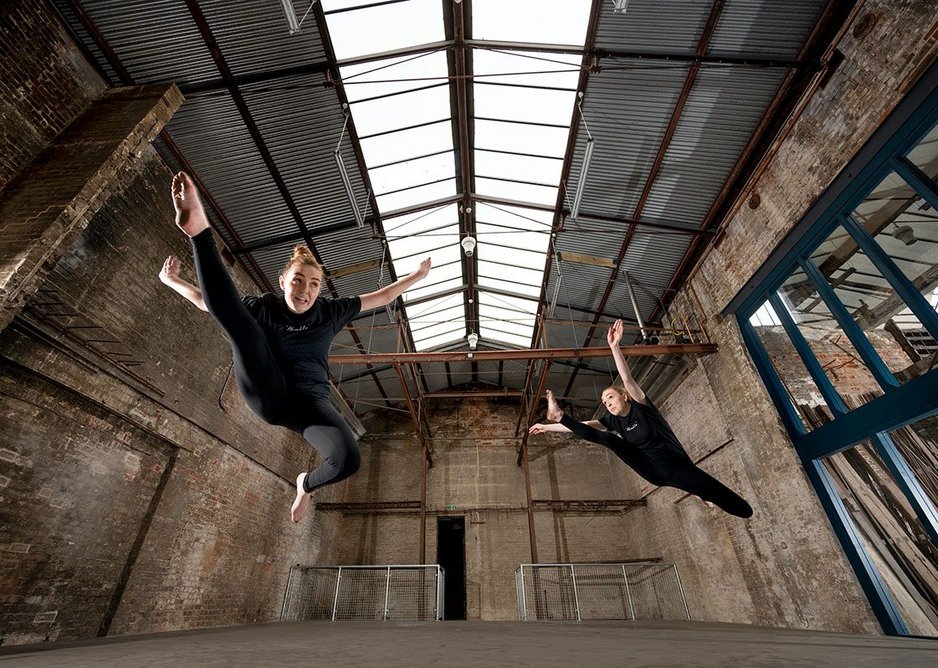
190, 216
301, 502
554, 414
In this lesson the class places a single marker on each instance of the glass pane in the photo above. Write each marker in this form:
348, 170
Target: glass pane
801, 389
405, 144
517, 192
393, 75
379, 28
505, 166
527, 69
918, 443
550, 21
870, 299
925, 155
528, 105
520, 138
834, 351
415, 196
891, 534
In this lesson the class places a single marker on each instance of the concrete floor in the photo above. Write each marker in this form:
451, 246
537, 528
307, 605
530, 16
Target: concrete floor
587, 644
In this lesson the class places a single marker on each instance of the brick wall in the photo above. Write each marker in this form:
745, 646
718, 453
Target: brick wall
46, 83
137, 492
475, 475
783, 567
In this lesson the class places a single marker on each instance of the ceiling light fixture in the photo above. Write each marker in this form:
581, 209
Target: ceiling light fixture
346, 182
290, 13
468, 245
587, 157
473, 340
619, 6
557, 281
904, 234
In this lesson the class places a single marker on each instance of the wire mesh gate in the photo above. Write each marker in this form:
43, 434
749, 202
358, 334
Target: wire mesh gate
645, 590
413, 592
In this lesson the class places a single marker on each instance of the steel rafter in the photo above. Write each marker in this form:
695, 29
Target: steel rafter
702, 46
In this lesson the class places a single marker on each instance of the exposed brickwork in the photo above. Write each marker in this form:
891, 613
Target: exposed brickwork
137, 492
46, 83
475, 475
879, 67
50, 201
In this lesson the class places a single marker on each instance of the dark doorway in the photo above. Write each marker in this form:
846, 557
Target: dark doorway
451, 555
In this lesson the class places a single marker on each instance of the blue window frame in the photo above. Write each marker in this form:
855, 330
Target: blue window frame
900, 399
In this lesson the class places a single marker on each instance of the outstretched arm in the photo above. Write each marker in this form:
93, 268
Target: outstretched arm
389, 293
540, 427
169, 276
613, 338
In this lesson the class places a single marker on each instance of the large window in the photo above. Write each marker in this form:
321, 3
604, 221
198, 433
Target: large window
844, 331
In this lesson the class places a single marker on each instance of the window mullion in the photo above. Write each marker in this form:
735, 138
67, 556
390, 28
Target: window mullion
831, 396
903, 286
873, 361
773, 382
908, 482
918, 179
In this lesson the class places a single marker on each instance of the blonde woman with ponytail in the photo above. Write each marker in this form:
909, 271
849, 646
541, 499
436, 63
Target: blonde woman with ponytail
280, 345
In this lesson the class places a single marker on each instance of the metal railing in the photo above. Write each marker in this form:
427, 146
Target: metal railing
639, 590
374, 592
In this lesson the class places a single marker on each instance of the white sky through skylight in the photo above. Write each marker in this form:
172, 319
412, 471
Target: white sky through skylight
523, 104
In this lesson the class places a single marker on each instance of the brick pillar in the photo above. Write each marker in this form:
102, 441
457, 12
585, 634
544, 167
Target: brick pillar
51, 201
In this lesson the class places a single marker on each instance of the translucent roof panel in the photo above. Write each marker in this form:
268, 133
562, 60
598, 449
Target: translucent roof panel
405, 144
547, 21
393, 75
517, 192
527, 69
433, 233
506, 319
403, 199
360, 28
528, 105
520, 138
546, 171
416, 172
401, 111
437, 322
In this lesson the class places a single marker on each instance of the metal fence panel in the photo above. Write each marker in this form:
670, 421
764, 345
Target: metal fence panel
413, 592
599, 591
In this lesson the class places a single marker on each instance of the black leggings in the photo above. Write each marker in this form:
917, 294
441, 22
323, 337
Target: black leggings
262, 381
683, 475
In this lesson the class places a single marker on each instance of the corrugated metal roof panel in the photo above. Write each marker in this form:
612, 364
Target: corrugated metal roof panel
253, 36
301, 127
149, 38
653, 26
627, 111
764, 27
212, 135
721, 113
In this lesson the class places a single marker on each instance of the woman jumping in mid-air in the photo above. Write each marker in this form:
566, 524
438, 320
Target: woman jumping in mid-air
280, 345
641, 437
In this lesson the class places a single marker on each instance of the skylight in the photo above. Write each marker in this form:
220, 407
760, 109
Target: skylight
403, 110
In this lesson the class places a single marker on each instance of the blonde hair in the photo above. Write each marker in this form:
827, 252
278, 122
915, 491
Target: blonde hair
621, 391
303, 256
